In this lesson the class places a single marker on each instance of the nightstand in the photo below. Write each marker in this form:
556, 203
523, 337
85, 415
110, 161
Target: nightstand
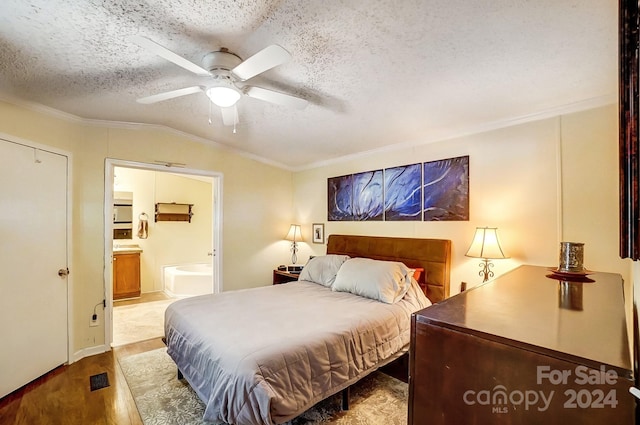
280, 276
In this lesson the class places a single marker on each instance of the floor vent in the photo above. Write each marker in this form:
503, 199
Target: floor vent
99, 381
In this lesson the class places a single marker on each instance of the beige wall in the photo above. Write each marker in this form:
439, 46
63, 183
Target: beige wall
539, 183
256, 198
590, 188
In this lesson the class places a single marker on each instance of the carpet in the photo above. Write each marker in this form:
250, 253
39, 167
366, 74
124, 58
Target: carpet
138, 322
162, 399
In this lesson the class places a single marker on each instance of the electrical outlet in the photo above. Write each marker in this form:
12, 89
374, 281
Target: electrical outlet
92, 322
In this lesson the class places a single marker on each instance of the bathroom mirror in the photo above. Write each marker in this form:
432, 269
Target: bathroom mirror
122, 215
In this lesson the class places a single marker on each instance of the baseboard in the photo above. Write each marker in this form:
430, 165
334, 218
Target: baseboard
89, 351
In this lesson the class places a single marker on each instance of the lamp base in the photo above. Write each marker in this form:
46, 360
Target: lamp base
486, 271
294, 252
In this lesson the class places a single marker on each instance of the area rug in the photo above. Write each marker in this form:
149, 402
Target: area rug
162, 399
138, 322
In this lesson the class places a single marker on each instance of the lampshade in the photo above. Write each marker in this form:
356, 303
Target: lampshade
224, 94
295, 233
485, 244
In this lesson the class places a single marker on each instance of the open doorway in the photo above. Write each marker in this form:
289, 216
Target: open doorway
153, 263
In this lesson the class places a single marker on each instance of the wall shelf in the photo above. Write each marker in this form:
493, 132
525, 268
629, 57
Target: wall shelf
173, 212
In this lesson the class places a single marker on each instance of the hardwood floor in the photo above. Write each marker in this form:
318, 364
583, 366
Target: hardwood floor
64, 395
145, 297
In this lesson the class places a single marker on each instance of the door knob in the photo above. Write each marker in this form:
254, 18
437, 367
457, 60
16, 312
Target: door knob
63, 272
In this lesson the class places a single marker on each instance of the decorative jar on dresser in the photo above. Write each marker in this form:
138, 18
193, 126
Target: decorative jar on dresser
524, 349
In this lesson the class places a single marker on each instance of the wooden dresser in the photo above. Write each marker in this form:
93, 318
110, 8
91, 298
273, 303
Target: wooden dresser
524, 349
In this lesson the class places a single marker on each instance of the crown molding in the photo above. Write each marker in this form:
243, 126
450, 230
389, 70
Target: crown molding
447, 135
55, 113
569, 108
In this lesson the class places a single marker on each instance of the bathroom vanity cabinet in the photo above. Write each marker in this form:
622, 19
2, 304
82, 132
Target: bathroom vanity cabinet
126, 275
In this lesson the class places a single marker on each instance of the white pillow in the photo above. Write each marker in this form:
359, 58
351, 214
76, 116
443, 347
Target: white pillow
386, 281
322, 269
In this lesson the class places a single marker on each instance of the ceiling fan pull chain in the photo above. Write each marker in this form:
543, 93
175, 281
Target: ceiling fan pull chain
209, 112
235, 120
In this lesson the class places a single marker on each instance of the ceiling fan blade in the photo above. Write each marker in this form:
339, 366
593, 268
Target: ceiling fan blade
229, 115
163, 52
275, 97
169, 95
262, 61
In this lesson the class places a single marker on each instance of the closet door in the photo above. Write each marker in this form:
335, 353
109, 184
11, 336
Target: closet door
33, 262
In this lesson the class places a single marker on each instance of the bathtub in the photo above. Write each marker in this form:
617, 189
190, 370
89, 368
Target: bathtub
188, 280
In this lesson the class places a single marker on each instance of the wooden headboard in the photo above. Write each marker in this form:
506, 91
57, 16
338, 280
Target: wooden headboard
433, 255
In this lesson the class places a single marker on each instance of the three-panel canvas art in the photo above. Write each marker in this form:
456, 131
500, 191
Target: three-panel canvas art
429, 191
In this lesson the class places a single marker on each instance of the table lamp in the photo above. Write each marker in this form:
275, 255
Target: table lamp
485, 245
294, 235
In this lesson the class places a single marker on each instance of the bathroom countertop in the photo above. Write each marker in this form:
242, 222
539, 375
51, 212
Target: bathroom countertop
126, 249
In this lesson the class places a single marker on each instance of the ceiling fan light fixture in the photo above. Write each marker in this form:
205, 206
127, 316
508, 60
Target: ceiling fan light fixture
224, 69
223, 95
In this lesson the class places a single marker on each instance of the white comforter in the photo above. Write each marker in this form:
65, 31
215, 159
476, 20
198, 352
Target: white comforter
265, 355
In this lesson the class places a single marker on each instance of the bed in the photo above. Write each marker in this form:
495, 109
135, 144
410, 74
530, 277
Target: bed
265, 355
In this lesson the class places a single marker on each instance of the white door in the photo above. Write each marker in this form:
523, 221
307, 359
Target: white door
33, 248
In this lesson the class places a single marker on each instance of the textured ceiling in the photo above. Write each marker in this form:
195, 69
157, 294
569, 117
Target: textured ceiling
375, 72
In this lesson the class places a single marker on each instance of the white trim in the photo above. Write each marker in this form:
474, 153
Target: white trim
36, 107
108, 253
89, 351
70, 316
573, 107
474, 129
70, 309
216, 236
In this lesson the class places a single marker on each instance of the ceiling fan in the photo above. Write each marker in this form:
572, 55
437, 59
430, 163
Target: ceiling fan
227, 72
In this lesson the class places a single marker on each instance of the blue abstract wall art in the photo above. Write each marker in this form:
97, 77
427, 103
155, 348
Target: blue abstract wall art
367, 196
340, 192
429, 191
446, 190
403, 193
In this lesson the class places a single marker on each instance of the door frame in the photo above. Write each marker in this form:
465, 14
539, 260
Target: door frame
216, 237
69, 242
